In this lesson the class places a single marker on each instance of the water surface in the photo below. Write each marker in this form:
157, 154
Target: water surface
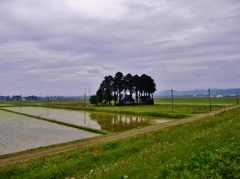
19, 133
98, 120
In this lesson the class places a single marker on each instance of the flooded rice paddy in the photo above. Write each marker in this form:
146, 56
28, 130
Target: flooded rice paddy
97, 120
19, 133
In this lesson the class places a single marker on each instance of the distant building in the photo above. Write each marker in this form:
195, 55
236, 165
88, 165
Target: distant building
128, 100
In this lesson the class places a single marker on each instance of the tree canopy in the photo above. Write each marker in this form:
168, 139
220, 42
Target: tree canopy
113, 88
94, 99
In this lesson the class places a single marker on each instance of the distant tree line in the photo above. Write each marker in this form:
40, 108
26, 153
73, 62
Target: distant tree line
113, 88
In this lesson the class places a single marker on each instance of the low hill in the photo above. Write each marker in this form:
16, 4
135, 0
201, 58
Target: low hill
201, 92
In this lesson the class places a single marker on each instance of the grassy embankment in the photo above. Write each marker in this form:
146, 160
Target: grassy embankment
208, 148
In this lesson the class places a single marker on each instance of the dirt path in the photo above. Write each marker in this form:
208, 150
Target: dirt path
59, 149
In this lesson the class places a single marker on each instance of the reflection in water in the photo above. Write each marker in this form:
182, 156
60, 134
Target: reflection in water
96, 120
47, 112
115, 122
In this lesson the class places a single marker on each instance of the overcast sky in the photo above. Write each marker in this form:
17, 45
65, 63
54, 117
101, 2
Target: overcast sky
62, 47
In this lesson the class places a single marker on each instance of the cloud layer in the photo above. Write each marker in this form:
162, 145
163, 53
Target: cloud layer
61, 47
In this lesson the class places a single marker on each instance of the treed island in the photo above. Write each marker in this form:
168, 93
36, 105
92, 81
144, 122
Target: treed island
121, 89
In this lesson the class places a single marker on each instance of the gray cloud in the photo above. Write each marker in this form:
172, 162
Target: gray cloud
62, 47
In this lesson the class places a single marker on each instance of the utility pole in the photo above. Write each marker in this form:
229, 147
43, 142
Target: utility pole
209, 91
237, 97
85, 98
172, 99
20, 103
88, 91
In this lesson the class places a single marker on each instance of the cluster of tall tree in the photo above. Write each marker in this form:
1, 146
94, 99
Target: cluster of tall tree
113, 88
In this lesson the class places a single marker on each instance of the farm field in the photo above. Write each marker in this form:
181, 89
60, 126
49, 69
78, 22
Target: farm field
162, 107
224, 101
182, 107
165, 153
113, 118
101, 121
206, 148
164, 110
4, 105
73, 117
19, 133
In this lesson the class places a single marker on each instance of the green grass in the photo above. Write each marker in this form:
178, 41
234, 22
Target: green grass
181, 109
162, 107
45, 103
158, 108
177, 100
197, 100
208, 148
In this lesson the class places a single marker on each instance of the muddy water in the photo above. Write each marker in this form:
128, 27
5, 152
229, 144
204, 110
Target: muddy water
97, 120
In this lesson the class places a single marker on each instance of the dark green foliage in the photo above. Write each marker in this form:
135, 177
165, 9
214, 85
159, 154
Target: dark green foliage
94, 100
140, 86
108, 94
99, 94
